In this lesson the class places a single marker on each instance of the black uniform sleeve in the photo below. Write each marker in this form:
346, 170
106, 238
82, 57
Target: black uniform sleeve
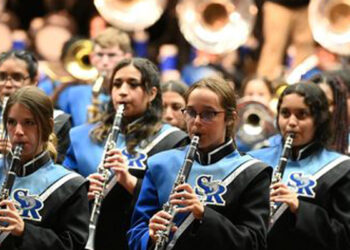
330, 229
69, 232
243, 228
62, 127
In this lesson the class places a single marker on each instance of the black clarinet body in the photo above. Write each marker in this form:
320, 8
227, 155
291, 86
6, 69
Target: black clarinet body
110, 144
181, 178
10, 180
11, 175
278, 173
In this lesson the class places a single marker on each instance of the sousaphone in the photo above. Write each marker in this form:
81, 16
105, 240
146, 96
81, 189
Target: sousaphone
131, 15
330, 24
216, 26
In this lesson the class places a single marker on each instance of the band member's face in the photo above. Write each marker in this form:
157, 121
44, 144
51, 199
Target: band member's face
295, 116
129, 89
104, 59
23, 129
205, 116
173, 102
257, 90
13, 75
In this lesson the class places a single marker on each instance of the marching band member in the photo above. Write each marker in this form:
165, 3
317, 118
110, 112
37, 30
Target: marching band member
173, 102
314, 211
110, 46
48, 205
234, 188
18, 69
136, 84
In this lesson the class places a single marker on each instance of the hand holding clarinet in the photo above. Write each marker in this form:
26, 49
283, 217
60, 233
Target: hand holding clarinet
181, 199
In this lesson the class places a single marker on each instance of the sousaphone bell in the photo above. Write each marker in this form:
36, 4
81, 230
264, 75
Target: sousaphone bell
216, 26
131, 15
330, 24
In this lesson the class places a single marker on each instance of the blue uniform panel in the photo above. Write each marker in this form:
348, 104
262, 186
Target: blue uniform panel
164, 179
75, 100
308, 166
40, 180
84, 155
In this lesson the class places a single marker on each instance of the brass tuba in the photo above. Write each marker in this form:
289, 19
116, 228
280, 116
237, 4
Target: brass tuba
256, 122
216, 26
330, 24
131, 15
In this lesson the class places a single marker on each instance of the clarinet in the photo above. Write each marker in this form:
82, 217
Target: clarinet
10, 180
163, 236
278, 173
110, 144
11, 175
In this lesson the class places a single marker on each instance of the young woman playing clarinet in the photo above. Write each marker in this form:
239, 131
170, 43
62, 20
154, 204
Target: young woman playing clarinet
312, 199
225, 202
19, 68
43, 205
135, 84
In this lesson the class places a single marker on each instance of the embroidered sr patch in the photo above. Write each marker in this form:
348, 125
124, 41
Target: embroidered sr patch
210, 190
302, 184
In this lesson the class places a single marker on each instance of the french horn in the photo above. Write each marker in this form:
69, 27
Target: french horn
131, 15
216, 26
330, 24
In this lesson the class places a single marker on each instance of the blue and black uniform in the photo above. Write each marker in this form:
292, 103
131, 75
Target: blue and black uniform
236, 191
321, 178
84, 156
53, 204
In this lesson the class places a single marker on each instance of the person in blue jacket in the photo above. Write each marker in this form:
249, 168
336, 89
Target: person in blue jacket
135, 83
47, 206
76, 98
312, 199
225, 203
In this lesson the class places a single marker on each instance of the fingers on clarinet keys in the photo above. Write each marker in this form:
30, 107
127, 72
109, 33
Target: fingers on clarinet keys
95, 185
159, 223
3, 216
160, 220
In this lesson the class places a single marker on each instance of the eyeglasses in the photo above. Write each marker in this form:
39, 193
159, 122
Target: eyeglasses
206, 115
14, 77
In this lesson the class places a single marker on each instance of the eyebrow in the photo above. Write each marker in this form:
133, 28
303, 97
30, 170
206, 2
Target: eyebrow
205, 107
